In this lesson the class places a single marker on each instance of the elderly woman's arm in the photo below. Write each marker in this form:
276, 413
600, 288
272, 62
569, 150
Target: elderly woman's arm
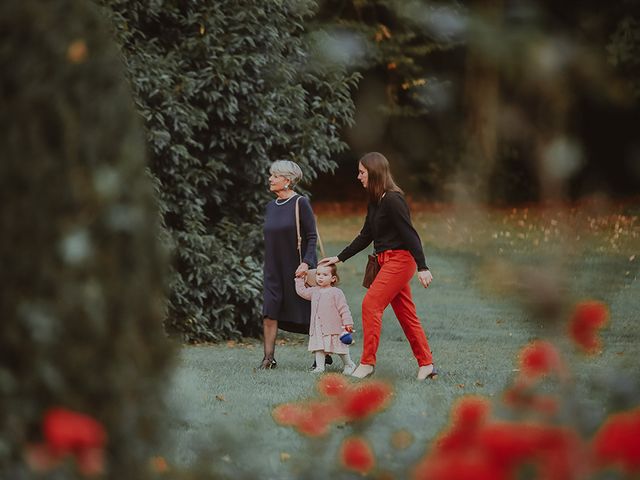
309, 233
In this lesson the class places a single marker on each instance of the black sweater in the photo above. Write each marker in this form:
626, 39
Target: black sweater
388, 224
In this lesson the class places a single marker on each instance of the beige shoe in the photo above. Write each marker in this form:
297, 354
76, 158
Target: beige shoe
427, 372
363, 371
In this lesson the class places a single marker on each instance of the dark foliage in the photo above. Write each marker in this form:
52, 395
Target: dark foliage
83, 274
225, 88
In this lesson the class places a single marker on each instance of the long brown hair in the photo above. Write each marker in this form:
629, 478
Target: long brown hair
379, 176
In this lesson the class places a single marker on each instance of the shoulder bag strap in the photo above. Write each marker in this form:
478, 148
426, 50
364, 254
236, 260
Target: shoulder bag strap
300, 236
319, 239
298, 228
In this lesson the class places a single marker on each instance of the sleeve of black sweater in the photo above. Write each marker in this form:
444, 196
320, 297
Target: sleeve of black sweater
362, 241
308, 231
399, 212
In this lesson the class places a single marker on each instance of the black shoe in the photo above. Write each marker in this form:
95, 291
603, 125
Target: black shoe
327, 361
268, 364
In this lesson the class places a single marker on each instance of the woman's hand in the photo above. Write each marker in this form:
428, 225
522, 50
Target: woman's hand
425, 278
302, 270
329, 261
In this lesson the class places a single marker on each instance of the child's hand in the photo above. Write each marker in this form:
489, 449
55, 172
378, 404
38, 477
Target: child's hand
301, 271
349, 328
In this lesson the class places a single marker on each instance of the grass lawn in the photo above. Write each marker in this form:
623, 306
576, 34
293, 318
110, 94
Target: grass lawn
502, 278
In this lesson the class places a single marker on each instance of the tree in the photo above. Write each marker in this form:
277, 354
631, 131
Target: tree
408, 102
83, 273
225, 88
504, 101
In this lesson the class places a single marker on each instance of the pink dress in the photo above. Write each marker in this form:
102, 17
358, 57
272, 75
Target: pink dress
329, 315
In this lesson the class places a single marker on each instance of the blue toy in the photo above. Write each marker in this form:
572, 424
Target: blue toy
346, 338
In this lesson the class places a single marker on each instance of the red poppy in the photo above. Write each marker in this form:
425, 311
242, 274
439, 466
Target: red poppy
312, 426
319, 416
557, 453
66, 431
538, 359
332, 384
468, 415
587, 319
356, 454
455, 440
312, 418
562, 455
366, 399
618, 441
471, 411
69, 433
467, 465
287, 413
508, 444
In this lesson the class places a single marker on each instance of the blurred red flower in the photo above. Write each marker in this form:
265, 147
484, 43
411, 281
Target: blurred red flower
587, 319
618, 441
356, 454
557, 453
467, 417
538, 359
66, 431
332, 384
467, 465
508, 444
311, 426
563, 455
484, 449
471, 411
311, 418
287, 414
366, 399
69, 433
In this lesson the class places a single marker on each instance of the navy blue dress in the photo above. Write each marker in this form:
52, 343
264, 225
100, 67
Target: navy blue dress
281, 302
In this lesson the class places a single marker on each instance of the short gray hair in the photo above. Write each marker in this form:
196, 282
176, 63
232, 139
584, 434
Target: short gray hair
287, 169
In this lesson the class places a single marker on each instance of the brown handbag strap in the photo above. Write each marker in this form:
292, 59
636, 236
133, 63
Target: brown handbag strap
298, 229
300, 236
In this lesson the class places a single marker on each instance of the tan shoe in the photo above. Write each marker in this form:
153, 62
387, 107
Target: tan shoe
363, 371
427, 372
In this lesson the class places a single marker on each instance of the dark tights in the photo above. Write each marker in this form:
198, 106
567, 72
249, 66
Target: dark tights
270, 330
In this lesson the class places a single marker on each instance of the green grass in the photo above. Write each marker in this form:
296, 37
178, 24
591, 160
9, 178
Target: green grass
495, 289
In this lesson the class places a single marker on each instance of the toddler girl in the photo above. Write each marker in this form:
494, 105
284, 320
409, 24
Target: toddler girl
330, 317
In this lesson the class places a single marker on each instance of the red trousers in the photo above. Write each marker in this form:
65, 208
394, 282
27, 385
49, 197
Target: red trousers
391, 286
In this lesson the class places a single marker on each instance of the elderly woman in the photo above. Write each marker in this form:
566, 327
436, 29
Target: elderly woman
282, 307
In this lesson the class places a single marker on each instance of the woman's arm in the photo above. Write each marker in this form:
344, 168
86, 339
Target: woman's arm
362, 241
308, 231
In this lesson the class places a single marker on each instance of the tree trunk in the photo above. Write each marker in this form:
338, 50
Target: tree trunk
482, 98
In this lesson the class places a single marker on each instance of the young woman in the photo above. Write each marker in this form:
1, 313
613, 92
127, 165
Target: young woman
399, 251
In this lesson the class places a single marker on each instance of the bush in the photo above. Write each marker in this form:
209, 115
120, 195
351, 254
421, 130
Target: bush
225, 89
